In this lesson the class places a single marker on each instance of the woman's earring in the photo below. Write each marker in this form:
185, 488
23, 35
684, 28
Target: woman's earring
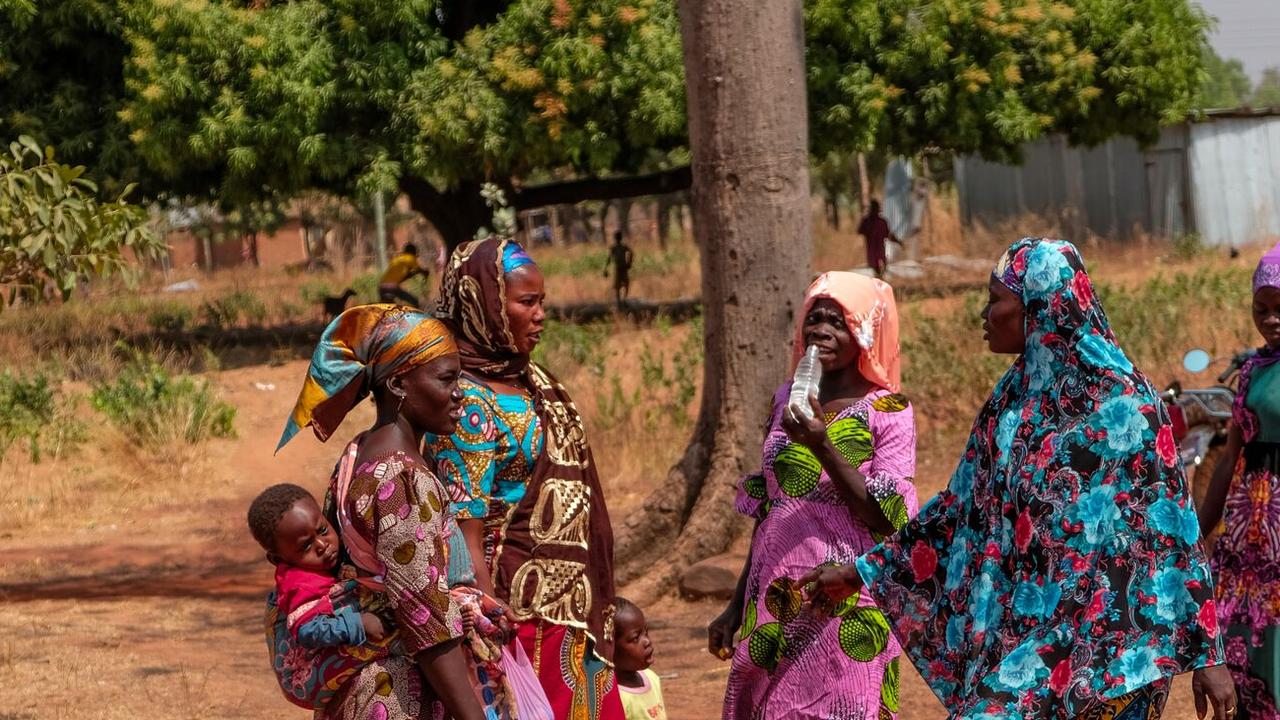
400, 404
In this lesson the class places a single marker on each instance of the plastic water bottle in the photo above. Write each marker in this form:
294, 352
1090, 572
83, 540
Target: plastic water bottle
808, 373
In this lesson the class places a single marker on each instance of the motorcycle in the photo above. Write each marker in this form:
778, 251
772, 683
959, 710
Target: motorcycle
1201, 416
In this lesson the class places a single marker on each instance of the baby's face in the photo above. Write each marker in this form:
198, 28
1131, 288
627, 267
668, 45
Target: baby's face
305, 539
633, 651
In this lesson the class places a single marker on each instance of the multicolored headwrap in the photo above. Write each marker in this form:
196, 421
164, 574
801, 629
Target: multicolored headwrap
1266, 276
361, 348
871, 315
1268, 272
473, 302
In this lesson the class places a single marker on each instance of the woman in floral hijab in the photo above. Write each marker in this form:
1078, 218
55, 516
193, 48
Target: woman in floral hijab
1060, 574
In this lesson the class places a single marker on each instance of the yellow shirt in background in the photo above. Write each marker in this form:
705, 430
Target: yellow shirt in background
399, 268
644, 703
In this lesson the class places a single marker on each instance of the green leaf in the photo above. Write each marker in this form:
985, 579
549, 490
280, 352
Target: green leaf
30, 145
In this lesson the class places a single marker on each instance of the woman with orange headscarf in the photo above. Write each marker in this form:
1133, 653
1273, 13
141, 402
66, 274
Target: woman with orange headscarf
830, 488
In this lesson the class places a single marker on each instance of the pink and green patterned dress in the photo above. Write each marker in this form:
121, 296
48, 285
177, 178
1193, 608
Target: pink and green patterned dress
792, 664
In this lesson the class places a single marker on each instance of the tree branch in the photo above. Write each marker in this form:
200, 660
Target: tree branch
613, 188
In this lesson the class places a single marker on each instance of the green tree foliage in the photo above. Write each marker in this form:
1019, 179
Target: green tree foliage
230, 97
1267, 94
55, 232
1226, 83
986, 75
62, 82
353, 94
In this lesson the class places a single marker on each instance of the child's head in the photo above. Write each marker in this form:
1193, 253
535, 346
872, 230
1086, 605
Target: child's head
287, 522
632, 649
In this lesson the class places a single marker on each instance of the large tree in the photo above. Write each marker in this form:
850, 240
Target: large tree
432, 98
228, 97
749, 136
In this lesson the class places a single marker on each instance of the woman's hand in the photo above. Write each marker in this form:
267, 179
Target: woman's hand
721, 632
374, 630
831, 584
810, 432
506, 621
1214, 685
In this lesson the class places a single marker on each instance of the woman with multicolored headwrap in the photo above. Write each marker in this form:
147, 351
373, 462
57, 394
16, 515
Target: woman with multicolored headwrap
388, 506
830, 486
1246, 559
1060, 574
524, 483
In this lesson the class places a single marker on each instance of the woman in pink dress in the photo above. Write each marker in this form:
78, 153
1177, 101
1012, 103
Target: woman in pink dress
830, 488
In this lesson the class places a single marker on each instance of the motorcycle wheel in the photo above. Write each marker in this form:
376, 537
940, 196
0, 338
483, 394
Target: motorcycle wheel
1198, 479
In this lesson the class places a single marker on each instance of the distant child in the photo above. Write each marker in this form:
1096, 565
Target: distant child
640, 688
317, 633
621, 257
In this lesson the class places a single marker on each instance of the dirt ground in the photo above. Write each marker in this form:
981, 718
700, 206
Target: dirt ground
158, 612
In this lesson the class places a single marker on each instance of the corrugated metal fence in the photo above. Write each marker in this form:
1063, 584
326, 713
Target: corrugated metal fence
1220, 178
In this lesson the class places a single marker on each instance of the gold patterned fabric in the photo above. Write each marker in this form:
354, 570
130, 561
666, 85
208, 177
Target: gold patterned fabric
554, 558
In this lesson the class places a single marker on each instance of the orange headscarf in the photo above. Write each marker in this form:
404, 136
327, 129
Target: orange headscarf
871, 315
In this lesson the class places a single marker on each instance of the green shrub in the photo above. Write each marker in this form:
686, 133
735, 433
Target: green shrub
1188, 246
152, 408
233, 307
291, 312
31, 409
171, 317
587, 264
366, 287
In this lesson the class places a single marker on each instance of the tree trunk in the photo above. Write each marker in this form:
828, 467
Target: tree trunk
624, 217
665, 206
455, 213
864, 183
604, 221
744, 64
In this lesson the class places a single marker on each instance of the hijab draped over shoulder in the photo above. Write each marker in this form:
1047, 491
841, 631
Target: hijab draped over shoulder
1062, 564
555, 555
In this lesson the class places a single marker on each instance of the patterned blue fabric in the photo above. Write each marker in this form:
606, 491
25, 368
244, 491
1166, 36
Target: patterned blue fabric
487, 461
1061, 567
514, 256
